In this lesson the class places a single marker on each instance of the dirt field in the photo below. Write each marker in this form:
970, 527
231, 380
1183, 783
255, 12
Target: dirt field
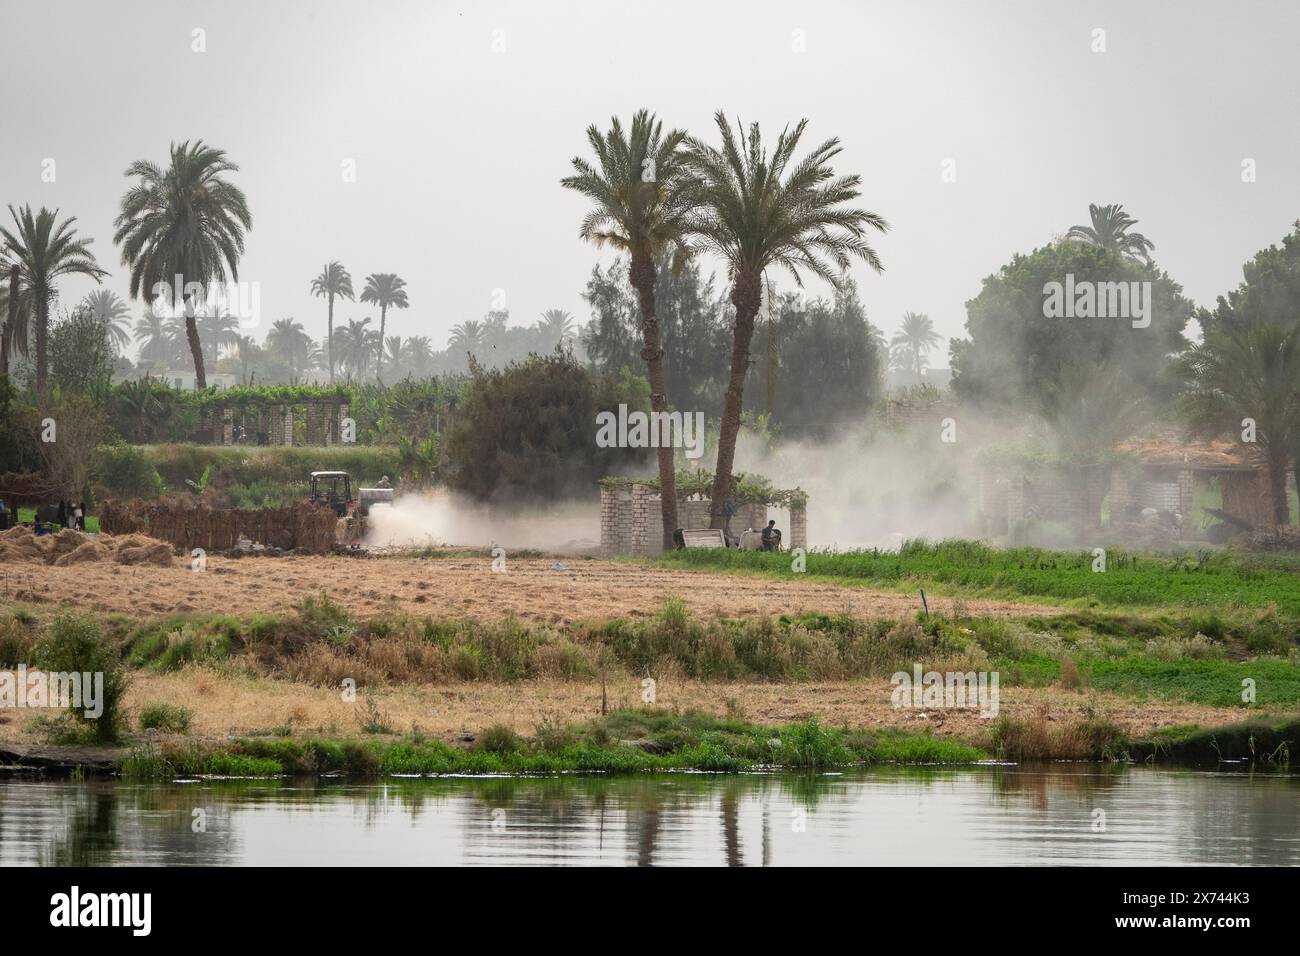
534, 590
225, 705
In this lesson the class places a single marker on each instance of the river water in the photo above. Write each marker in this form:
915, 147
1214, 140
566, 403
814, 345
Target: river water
986, 815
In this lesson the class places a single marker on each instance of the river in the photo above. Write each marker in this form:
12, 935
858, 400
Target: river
985, 815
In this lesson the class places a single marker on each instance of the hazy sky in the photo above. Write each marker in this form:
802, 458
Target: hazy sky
458, 148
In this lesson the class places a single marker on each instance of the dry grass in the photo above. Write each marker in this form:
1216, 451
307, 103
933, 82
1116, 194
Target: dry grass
224, 703
531, 590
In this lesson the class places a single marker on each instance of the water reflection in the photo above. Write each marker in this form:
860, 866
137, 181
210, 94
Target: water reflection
930, 816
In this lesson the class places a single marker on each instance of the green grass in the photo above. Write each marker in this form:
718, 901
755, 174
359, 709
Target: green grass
1221, 579
622, 742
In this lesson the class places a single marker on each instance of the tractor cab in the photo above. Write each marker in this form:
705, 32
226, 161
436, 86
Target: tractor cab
332, 488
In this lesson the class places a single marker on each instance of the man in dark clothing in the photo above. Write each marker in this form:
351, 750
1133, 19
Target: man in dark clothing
771, 537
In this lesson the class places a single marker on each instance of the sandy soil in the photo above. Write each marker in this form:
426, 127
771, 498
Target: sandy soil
225, 705
533, 589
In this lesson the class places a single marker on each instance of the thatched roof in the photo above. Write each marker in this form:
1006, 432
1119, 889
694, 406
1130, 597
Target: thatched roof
1200, 455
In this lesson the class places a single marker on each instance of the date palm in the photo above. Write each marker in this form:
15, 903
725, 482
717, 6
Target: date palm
156, 335
45, 251
15, 312
1244, 369
642, 201
216, 331
1110, 230
384, 289
393, 352
333, 281
290, 341
913, 342
467, 337
185, 221
109, 309
418, 354
555, 327
357, 346
759, 212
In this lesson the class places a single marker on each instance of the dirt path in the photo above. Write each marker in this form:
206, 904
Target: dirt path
535, 590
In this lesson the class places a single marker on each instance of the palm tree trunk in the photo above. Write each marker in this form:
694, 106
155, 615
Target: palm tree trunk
10, 321
379, 359
1277, 462
41, 312
331, 337
196, 351
747, 297
642, 277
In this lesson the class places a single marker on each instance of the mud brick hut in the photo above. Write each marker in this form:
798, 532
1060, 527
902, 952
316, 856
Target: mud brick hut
630, 509
1158, 474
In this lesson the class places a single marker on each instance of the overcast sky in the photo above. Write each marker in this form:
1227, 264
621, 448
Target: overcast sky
458, 148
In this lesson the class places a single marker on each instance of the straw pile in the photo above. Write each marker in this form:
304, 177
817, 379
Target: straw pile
70, 547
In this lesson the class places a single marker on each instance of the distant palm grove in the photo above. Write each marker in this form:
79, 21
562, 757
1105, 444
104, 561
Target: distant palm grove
701, 308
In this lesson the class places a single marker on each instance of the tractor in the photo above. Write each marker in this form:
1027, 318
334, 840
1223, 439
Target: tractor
334, 490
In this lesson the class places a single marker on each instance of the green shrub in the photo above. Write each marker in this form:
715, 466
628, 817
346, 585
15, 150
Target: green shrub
76, 644
168, 717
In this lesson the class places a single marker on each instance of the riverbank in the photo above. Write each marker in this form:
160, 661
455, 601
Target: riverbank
1068, 684
649, 740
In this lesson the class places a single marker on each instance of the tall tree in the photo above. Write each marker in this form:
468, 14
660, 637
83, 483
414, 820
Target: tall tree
384, 289
154, 334
357, 346
290, 342
642, 203
45, 251
14, 308
185, 223
555, 327
754, 219
108, 308
333, 281
913, 342
1110, 230
467, 337
217, 330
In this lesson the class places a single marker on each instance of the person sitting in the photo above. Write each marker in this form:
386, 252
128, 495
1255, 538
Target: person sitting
771, 537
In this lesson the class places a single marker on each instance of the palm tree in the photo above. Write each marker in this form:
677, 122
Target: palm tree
357, 346
1248, 369
216, 331
1110, 230
246, 347
418, 355
332, 281
45, 250
186, 221
384, 289
555, 327
393, 351
467, 337
754, 221
152, 332
15, 309
290, 341
913, 342
109, 309
642, 204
